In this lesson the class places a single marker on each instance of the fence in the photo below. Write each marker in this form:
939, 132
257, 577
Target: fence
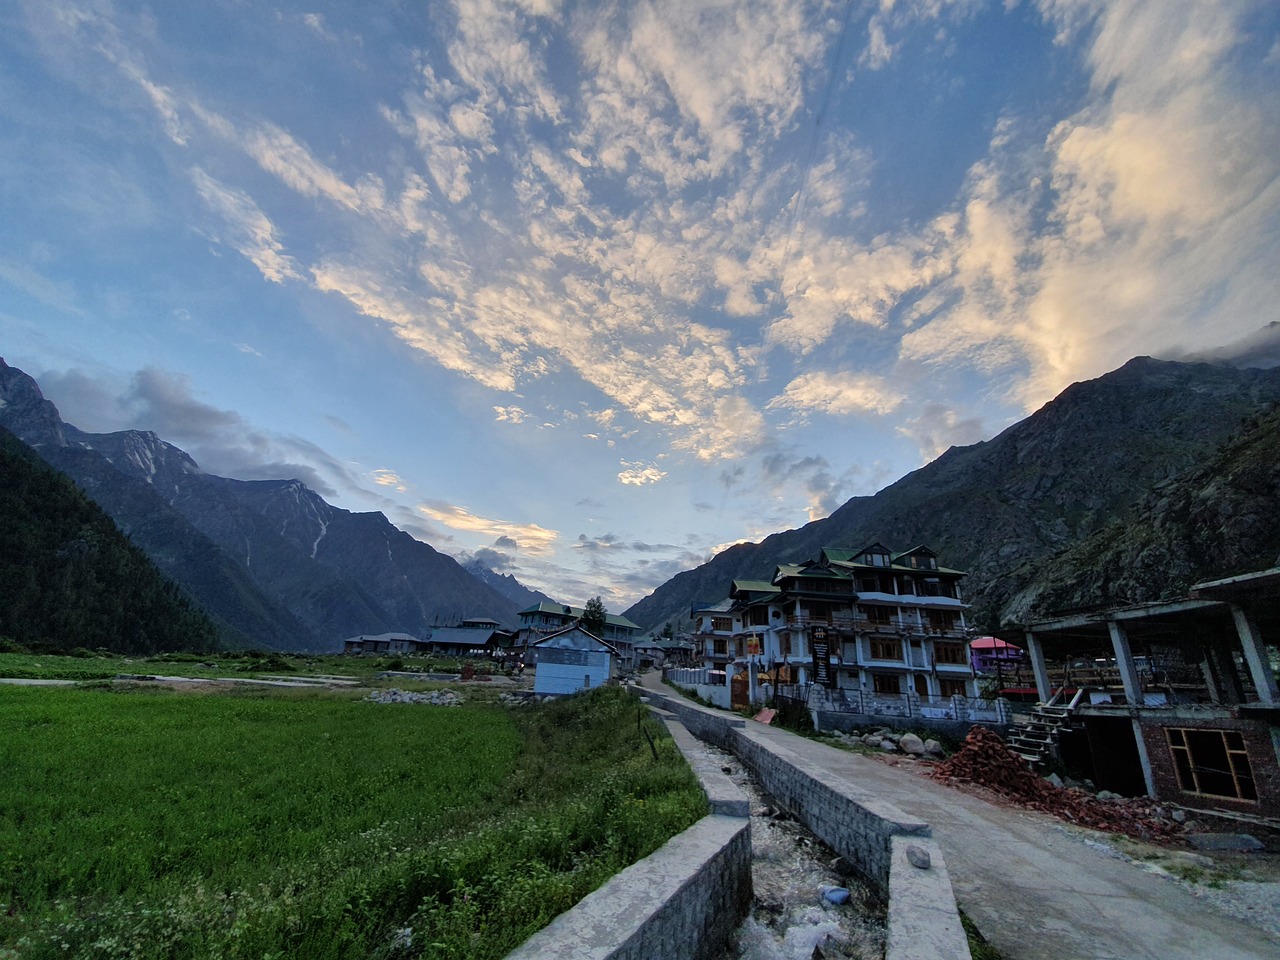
839, 700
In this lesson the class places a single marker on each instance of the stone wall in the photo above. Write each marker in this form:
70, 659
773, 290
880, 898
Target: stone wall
683, 902
881, 840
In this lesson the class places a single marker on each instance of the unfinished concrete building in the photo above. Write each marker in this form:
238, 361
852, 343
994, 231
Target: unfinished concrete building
1176, 700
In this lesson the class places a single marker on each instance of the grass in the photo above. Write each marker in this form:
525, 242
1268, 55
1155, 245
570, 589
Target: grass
97, 665
300, 824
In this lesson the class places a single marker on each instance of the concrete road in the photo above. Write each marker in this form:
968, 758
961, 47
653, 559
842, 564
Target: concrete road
1035, 891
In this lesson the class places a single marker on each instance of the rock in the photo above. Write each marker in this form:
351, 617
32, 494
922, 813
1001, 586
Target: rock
888, 746
919, 857
871, 740
933, 748
1225, 841
1108, 797
1179, 816
910, 743
1054, 780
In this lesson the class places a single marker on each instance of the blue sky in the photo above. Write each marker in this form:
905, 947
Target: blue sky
592, 290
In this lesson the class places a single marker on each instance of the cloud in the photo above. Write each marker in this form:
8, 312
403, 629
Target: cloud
939, 427
221, 441
838, 394
247, 228
389, 478
512, 414
530, 538
495, 560
639, 473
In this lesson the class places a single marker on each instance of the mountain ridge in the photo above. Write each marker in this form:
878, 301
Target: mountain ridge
272, 561
1054, 478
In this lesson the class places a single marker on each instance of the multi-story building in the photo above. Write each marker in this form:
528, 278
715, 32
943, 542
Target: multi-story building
543, 619
865, 627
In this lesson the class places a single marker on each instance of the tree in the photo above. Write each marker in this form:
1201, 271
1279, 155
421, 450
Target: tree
593, 617
667, 632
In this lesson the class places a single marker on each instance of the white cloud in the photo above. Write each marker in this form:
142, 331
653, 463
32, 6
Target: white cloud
838, 394
530, 537
638, 473
247, 228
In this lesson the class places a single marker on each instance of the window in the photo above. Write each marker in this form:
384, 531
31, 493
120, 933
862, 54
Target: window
886, 649
942, 622
868, 585
1212, 762
879, 616
951, 687
722, 623
952, 653
885, 683
784, 644
759, 616
721, 647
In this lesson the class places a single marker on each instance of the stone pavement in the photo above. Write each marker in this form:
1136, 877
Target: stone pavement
1035, 891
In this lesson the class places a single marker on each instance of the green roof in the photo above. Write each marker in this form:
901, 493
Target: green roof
754, 586
564, 610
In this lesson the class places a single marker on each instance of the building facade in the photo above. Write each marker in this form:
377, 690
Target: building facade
545, 618
869, 630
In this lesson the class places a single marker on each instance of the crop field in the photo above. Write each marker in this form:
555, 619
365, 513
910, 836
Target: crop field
87, 665
302, 824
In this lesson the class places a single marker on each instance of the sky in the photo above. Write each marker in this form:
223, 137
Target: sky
592, 290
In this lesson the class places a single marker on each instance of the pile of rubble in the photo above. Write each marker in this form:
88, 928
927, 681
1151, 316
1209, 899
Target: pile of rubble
890, 741
437, 698
984, 759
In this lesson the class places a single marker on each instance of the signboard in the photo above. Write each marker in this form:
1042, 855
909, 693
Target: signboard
821, 648
753, 646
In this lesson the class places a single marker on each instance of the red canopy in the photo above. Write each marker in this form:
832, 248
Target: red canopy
991, 643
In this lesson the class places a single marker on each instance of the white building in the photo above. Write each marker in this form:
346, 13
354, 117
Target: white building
573, 660
867, 630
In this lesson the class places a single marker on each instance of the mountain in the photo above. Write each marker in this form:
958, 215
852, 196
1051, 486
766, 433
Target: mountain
1217, 519
69, 578
507, 585
272, 561
1081, 462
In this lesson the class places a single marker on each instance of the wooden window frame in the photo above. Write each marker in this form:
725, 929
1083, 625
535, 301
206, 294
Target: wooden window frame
881, 645
1190, 774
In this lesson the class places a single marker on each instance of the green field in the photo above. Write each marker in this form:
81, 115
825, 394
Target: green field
87, 665
266, 824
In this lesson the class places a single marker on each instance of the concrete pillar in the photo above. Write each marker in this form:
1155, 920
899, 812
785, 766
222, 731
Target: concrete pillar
1036, 652
1124, 660
1255, 655
1148, 777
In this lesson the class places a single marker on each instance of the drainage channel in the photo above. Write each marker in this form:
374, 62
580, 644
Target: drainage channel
799, 881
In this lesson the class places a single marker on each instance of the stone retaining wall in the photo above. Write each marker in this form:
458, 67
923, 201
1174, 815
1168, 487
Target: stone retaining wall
874, 835
682, 902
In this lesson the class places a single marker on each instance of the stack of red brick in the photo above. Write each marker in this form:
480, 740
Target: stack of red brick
984, 759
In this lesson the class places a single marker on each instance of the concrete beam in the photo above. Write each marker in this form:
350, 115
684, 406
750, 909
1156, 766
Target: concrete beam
1255, 655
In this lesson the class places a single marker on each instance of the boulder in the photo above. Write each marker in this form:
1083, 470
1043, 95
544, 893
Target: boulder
910, 743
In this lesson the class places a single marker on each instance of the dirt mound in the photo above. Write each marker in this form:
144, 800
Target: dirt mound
984, 759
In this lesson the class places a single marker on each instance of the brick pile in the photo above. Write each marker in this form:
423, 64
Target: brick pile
985, 760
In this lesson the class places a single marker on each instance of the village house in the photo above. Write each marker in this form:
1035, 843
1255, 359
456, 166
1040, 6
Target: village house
866, 632
476, 637
395, 644
571, 660
1176, 699
545, 618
